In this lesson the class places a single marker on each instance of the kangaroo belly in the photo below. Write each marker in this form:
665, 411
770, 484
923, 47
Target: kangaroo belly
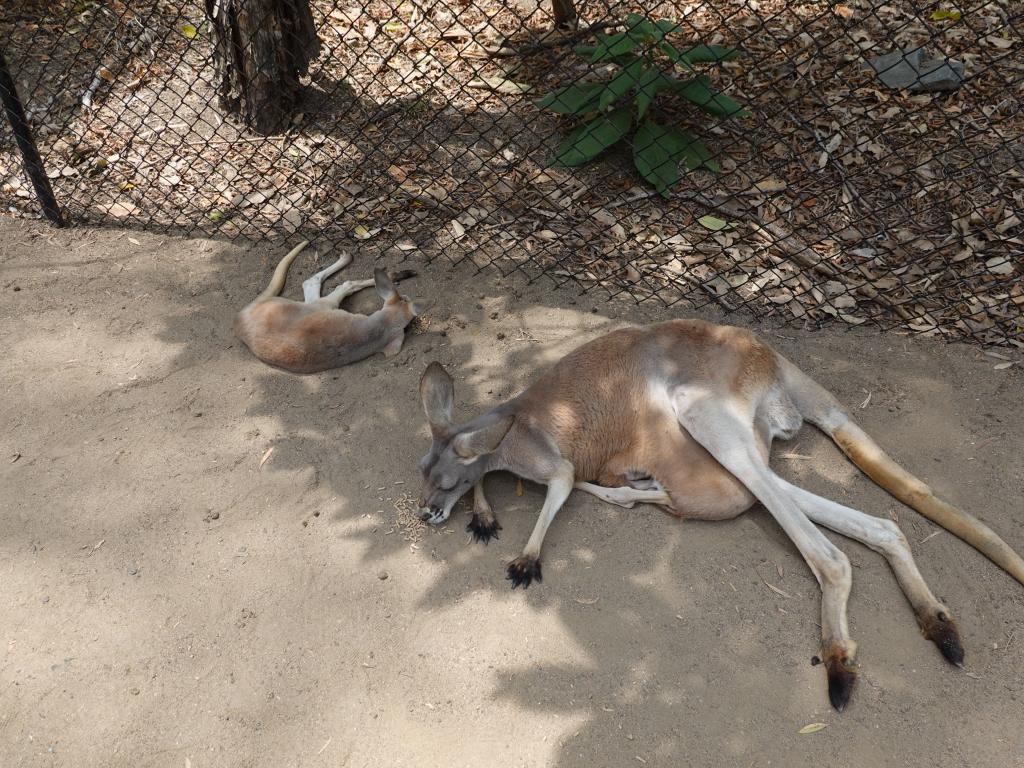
699, 487
305, 339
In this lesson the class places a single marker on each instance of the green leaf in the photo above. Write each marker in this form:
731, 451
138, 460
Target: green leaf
584, 50
702, 95
667, 26
647, 88
639, 26
716, 224
610, 46
573, 100
658, 149
189, 31
946, 15
714, 53
593, 138
673, 53
619, 85
696, 155
654, 156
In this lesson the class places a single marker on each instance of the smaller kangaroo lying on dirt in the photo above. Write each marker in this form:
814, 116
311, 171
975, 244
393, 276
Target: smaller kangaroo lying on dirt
315, 334
682, 414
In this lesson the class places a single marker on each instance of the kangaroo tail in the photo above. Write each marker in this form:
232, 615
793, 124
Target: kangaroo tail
819, 407
281, 273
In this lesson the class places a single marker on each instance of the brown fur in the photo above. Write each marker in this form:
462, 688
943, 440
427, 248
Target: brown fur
606, 424
316, 335
598, 407
683, 414
305, 339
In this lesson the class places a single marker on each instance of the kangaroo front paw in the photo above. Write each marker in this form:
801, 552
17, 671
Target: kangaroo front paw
941, 630
523, 570
483, 528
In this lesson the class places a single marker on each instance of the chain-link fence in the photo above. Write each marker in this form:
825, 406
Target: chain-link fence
852, 162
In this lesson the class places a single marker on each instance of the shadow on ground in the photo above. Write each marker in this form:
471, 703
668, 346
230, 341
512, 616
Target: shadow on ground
206, 559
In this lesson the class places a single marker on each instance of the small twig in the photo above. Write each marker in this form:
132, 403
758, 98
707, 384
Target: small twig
552, 39
394, 107
425, 199
931, 535
411, 27
642, 195
776, 590
847, 184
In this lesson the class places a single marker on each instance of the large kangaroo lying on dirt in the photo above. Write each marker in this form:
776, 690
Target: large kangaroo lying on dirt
682, 414
314, 334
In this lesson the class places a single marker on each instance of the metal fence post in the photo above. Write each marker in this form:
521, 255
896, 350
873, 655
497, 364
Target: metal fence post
29, 153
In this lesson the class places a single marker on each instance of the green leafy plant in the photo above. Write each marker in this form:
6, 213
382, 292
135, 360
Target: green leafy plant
648, 64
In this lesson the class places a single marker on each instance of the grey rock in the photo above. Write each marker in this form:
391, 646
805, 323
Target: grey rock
909, 69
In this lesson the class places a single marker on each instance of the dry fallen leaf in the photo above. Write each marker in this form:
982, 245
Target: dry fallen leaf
770, 185
500, 85
813, 728
1000, 265
120, 210
713, 223
266, 456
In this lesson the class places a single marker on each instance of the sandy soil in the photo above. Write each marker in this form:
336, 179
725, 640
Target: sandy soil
174, 593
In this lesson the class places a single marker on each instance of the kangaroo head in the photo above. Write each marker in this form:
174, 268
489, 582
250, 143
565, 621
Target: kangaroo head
395, 302
458, 455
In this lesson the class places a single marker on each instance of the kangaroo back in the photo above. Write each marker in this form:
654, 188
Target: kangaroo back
819, 407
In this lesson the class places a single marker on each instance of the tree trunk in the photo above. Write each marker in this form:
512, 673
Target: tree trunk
261, 48
564, 11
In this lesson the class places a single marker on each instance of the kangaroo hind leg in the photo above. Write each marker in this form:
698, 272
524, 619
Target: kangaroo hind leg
726, 429
311, 285
343, 291
885, 537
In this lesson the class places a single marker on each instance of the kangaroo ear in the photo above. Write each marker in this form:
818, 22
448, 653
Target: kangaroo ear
472, 445
385, 288
437, 391
419, 307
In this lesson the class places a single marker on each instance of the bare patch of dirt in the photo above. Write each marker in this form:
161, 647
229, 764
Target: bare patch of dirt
170, 598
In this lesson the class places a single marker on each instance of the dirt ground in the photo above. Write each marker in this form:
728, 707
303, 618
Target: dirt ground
176, 593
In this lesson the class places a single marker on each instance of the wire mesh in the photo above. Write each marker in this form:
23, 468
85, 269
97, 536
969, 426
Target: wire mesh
843, 196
